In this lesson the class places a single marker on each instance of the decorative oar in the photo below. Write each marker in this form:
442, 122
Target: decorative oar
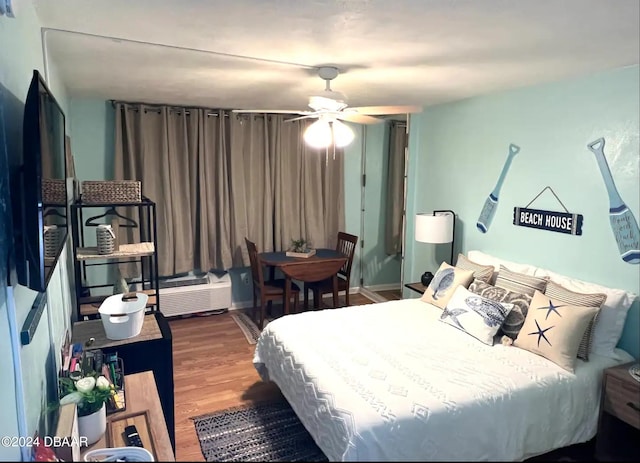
623, 223
491, 203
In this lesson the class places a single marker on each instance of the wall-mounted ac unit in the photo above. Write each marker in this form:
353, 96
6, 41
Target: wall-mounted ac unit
191, 294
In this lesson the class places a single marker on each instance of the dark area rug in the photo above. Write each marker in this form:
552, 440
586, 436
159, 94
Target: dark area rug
271, 431
268, 431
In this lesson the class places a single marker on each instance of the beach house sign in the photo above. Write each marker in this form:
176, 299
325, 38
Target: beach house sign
561, 222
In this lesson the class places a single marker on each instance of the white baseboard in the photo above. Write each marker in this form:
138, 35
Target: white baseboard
384, 287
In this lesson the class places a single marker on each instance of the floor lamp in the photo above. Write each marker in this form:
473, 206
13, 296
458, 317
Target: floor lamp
436, 228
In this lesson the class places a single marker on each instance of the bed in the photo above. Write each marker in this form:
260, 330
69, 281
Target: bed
389, 381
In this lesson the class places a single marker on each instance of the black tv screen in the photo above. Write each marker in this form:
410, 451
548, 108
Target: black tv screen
43, 196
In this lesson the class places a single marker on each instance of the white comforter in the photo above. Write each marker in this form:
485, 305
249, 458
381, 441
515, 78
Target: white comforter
390, 382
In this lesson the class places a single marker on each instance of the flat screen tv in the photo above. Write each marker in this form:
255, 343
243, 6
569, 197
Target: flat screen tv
42, 222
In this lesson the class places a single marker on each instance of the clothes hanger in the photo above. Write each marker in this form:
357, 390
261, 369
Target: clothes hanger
129, 223
54, 211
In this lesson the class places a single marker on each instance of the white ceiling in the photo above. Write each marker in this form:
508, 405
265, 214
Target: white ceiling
264, 54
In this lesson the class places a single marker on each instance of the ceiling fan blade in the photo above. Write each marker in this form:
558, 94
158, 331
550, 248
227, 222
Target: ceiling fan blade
270, 111
302, 117
381, 110
358, 118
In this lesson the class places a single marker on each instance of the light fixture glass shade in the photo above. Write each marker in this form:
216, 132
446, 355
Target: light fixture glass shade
342, 134
324, 131
434, 228
318, 134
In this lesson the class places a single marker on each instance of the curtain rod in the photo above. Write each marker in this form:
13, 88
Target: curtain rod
156, 107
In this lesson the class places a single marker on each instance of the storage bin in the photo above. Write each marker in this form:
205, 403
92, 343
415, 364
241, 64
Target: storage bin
111, 191
122, 319
119, 454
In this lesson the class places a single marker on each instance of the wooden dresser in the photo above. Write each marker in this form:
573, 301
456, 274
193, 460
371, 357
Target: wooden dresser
144, 411
151, 350
618, 436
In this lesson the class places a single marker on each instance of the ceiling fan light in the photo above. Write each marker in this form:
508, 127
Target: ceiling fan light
318, 134
342, 134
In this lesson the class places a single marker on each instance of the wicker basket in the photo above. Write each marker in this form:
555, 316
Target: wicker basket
54, 191
111, 191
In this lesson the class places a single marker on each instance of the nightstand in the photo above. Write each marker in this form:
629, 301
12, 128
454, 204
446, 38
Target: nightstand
618, 436
417, 287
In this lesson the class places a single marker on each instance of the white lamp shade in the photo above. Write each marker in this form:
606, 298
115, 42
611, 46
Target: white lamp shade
318, 134
342, 134
434, 228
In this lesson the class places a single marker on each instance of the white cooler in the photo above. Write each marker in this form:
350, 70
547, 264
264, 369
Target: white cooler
123, 319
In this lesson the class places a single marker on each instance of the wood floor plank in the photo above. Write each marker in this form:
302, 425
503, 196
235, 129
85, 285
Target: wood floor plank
213, 370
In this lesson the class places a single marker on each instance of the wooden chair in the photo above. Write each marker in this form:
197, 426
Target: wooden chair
346, 245
268, 290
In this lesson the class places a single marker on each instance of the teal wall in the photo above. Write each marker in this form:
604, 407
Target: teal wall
353, 195
20, 54
459, 149
379, 269
92, 123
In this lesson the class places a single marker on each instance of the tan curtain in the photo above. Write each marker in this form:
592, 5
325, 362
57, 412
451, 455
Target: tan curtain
217, 177
395, 188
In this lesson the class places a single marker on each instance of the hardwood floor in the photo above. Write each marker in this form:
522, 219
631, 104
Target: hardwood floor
391, 295
213, 370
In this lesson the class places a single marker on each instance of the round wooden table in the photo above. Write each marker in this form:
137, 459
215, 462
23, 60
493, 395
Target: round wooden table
324, 264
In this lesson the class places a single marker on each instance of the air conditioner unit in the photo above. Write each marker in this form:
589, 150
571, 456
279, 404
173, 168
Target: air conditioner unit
192, 294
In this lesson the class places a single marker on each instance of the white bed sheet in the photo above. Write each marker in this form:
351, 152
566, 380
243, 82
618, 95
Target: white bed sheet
388, 381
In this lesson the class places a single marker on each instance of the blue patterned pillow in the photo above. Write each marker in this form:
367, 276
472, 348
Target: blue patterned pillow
444, 283
515, 319
475, 315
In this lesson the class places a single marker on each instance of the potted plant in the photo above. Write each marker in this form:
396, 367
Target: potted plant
299, 248
90, 394
299, 245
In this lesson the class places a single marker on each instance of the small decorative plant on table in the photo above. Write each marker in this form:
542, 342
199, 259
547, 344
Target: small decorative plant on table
300, 248
91, 394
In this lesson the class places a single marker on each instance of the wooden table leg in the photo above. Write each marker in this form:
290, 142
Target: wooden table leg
335, 291
287, 293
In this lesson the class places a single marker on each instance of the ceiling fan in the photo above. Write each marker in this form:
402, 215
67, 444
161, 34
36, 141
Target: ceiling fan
330, 105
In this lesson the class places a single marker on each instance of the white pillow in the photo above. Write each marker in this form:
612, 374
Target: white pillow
611, 317
487, 259
475, 315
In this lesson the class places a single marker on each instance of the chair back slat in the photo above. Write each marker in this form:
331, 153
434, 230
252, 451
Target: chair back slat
347, 246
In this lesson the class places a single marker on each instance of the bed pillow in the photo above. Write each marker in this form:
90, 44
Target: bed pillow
519, 282
611, 317
480, 272
487, 259
444, 283
554, 330
555, 291
514, 321
477, 316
